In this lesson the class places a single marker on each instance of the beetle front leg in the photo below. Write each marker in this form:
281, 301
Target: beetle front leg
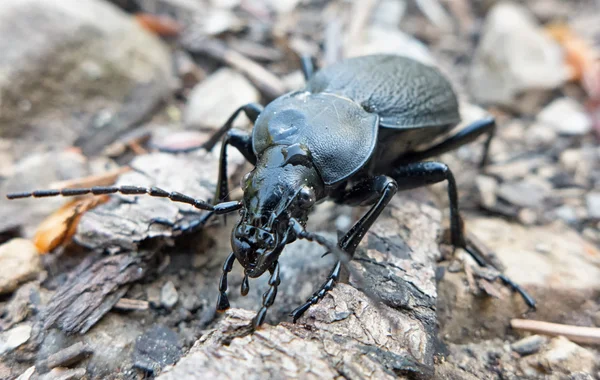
222, 300
269, 296
381, 190
421, 174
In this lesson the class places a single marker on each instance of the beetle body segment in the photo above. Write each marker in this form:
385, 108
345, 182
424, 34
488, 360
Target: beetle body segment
337, 132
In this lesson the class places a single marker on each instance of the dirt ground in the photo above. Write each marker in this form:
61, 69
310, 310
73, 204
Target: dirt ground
91, 91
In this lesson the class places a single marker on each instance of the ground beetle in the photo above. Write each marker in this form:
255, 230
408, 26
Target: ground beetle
352, 135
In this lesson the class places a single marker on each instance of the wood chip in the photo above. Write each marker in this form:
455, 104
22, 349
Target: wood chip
68, 356
129, 304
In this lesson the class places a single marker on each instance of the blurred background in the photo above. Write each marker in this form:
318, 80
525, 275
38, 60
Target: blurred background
89, 86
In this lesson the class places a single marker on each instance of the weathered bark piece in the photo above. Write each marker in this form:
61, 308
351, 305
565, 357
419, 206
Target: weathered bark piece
349, 333
122, 225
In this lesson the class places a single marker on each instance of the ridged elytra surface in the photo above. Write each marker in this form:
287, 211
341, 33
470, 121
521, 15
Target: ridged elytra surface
403, 92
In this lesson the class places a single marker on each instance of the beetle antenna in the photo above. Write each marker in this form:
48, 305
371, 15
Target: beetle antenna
220, 208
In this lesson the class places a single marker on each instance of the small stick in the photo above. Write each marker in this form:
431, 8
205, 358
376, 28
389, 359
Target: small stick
577, 334
105, 179
267, 82
131, 304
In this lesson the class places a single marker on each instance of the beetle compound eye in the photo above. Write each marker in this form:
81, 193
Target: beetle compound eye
306, 197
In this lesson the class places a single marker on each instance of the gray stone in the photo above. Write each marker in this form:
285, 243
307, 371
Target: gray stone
561, 356
168, 295
213, 100
13, 338
487, 187
566, 117
156, 348
19, 262
526, 193
592, 201
529, 345
514, 57
64, 60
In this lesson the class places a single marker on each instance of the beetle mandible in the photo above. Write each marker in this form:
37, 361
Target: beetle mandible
352, 135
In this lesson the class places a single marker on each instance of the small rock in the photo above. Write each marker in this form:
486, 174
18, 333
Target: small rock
68, 356
65, 374
566, 117
487, 187
529, 345
156, 348
561, 356
13, 338
19, 262
566, 213
540, 135
213, 100
527, 216
571, 158
526, 193
391, 41
168, 295
592, 201
514, 56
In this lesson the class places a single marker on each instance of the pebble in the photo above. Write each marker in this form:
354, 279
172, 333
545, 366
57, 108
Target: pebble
526, 193
592, 201
540, 135
529, 345
168, 295
156, 348
514, 57
560, 356
19, 262
212, 101
487, 187
13, 338
566, 117
566, 213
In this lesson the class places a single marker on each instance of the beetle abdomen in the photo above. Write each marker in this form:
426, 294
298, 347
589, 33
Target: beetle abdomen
403, 92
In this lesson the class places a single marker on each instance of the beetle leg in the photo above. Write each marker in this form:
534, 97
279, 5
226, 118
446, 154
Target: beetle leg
308, 68
381, 190
269, 296
222, 300
421, 174
465, 136
252, 110
243, 142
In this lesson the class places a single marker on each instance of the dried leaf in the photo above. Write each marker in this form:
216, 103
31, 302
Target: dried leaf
60, 227
579, 54
160, 25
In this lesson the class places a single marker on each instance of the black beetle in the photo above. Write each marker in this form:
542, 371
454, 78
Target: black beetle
351, 136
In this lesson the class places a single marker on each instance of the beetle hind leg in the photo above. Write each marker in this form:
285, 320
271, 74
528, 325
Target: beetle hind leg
421, 174
486, 126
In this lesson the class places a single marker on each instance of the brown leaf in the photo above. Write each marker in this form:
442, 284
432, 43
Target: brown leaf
59, 228
160, 25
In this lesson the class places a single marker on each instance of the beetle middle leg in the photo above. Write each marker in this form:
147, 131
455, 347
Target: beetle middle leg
464, 136
381, 190
421, 174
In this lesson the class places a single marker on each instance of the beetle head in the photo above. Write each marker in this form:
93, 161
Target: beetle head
283, 185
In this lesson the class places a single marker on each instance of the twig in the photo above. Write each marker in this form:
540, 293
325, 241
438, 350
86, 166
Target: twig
577, 334
436, 13
131, 304
266, 82
361, 12
105, 179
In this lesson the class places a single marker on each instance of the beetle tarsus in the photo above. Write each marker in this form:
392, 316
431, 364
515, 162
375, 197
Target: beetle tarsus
268, 296
333, 277
223, 301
